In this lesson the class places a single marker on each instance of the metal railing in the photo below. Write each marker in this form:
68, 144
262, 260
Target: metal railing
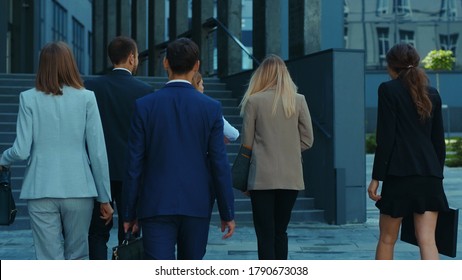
211, 25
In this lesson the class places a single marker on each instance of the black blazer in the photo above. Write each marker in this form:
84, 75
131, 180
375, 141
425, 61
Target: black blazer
405, 144
116, 93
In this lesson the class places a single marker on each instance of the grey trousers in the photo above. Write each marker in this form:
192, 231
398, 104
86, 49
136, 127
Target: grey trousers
60, 227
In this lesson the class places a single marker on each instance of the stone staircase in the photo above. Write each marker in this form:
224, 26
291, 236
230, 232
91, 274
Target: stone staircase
12, 84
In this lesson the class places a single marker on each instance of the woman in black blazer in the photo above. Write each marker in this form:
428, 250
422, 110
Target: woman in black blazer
410, 154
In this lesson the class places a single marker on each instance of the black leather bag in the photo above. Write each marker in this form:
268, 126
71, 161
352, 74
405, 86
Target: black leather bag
7, 206
130, 249
240, 169
445, 234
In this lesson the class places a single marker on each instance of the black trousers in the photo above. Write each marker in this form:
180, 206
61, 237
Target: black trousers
98, 235
271, 216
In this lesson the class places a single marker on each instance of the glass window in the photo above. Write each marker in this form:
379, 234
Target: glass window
406, 36
383, 41
78, 40
402, 7
346, 9
449, 42
382, 7
448, 10
59, 27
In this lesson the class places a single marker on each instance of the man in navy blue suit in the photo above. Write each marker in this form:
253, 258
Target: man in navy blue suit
115, 93
177, 164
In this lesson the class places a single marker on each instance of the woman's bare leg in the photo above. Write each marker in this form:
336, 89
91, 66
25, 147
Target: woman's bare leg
425, 226
389, 229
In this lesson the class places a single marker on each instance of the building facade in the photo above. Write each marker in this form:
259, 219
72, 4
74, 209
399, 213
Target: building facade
376, 25
27, 25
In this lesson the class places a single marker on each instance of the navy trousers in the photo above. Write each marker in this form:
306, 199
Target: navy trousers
162, 233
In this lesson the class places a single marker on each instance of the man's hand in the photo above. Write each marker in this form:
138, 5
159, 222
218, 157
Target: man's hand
230, 225
106, 212
133, 225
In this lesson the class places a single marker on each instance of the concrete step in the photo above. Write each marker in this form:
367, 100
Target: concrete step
231, 111
7, 126
9, 98
8, 117
234, 119
4, 89
9, 108
7, 137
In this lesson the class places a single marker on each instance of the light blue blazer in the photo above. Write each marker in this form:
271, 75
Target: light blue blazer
54, 134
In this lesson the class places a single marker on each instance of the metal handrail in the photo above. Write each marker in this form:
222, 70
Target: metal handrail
213, 22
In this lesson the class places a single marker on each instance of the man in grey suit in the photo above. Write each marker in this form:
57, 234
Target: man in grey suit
115, 93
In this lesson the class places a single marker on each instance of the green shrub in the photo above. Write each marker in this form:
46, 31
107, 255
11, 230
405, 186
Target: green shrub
439, 60
454, 152
370, 143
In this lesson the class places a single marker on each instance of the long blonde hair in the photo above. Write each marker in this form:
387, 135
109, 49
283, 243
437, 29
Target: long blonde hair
273, 74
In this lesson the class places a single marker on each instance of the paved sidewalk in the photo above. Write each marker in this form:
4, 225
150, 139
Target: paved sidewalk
306, 241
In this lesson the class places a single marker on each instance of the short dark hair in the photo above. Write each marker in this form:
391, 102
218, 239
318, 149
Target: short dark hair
120, 48
182, 55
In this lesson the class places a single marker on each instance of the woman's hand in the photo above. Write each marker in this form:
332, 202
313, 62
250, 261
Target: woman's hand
372, 190
106, 212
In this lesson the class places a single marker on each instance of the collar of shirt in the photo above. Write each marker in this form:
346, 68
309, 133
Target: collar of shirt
179, 81
125, 69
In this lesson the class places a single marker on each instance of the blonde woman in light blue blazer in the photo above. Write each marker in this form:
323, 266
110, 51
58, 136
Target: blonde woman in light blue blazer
59, 134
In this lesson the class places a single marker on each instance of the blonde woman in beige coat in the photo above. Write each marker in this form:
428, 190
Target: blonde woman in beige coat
277, 126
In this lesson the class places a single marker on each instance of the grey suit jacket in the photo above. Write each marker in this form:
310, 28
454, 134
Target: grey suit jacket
276, 141
53, 135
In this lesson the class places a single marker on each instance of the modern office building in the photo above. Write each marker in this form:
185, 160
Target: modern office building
26, 25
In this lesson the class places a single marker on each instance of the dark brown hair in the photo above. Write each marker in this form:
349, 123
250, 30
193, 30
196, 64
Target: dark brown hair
182, 55
404, 60
57, 68
120, 48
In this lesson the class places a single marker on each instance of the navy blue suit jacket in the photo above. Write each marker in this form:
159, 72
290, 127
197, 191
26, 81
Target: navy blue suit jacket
116, 93
405, 145
175, 147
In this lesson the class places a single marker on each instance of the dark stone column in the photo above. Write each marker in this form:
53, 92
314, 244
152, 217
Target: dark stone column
156, 35
178, 18
201, 11
111, 21
139, 26
22, 37
124, 17
268, 23
229, 53
4, 21
259, 30
304, 27
99, 37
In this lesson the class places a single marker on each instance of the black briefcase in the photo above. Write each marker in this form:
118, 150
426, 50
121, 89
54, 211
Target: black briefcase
7, 206
445, 235
130, 249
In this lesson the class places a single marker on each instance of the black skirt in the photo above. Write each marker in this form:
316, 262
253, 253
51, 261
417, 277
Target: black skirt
402, 196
